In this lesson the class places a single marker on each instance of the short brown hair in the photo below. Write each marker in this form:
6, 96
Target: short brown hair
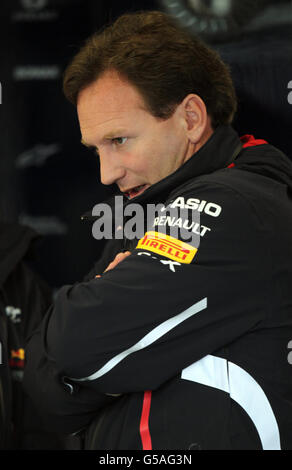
161, 60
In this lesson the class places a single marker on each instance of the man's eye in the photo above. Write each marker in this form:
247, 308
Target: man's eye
119, 140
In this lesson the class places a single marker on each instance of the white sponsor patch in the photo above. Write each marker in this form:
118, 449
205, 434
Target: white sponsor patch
170, 264
186, 224
14, 314
209, 208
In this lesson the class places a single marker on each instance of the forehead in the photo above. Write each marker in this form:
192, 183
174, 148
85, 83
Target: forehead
109, 100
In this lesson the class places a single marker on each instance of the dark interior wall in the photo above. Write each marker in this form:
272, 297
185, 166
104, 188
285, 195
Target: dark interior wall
47, 179
261, 67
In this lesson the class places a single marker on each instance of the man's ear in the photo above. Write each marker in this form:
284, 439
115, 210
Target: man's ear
196, 117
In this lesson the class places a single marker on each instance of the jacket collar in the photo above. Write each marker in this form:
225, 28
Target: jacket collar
218, 152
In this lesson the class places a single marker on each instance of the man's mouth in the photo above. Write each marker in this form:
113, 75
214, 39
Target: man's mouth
135, 191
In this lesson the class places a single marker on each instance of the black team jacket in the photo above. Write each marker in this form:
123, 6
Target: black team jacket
24, 300
185, 344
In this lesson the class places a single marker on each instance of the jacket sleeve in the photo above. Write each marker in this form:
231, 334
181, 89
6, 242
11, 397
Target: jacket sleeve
60, 409
111, 249
153, 315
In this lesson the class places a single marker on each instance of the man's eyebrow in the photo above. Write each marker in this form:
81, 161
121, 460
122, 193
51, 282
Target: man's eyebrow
114, 134
110, 135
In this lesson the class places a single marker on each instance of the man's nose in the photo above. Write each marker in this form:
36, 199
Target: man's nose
110, 169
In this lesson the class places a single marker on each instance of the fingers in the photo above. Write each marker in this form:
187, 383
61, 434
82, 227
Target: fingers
119, 257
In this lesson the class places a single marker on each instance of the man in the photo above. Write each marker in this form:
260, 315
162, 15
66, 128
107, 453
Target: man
181, 344
24, 299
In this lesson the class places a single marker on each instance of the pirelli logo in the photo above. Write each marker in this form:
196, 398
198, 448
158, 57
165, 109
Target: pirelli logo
168, 246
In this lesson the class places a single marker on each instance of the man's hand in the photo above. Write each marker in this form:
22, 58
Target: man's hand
120, 257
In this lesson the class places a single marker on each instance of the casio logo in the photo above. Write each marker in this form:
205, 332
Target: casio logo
210, 208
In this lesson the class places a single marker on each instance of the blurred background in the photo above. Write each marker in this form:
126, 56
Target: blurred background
47, 178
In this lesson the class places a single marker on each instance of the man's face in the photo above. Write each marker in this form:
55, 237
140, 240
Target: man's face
135, 148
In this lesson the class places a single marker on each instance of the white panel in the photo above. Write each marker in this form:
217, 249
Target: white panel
251, 397
243, 389
210, 370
